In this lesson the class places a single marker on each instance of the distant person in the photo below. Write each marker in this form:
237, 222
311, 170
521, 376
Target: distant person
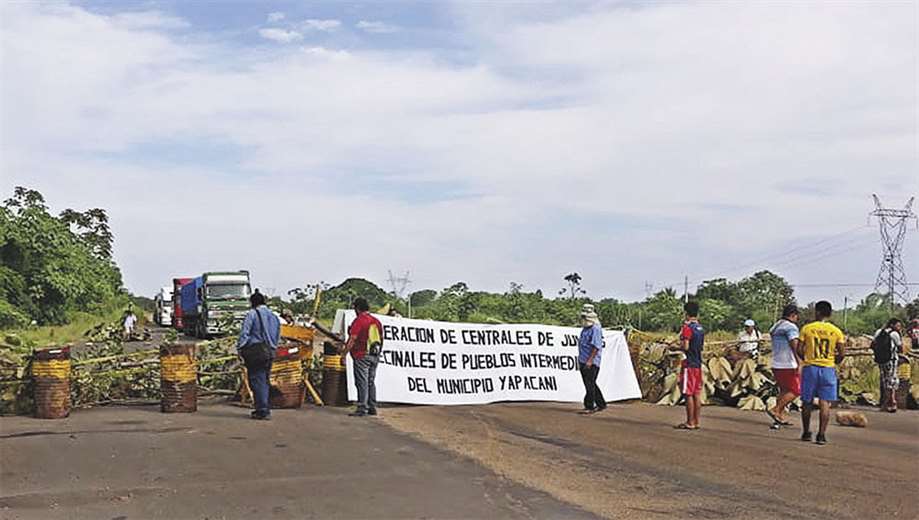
748, 339
365, 343
913, 333
887, 346
822, 346
258, 340
692, 340
786, 365
590, 350
130, 321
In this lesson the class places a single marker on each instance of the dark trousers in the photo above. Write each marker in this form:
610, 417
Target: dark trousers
365, 374
258, 382
593, 397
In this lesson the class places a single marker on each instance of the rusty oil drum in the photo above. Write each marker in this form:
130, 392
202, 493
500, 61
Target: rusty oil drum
287, 388
178, 378
334, 382
51, 375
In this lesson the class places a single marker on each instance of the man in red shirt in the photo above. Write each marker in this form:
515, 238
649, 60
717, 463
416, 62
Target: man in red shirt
365, 342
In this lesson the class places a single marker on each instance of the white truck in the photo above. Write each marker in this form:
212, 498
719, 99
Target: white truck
162, 315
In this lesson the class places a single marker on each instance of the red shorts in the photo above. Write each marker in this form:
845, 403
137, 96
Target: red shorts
788, 379
691, 381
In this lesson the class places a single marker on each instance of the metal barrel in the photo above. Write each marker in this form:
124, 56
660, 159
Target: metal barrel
287, 388
334, 382
178, 378
51, 375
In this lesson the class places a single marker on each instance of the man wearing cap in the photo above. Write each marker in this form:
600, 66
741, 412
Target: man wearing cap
590, 350
748, 339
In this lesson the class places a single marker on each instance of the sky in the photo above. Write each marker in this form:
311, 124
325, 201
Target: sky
638, 144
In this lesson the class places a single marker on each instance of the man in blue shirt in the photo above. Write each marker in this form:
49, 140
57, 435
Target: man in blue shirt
590, 350
260, 329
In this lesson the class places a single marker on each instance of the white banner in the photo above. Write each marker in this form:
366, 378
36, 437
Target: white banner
434, 362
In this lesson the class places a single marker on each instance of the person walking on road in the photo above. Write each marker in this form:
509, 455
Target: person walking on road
822, 347
786, 366
130, 321
887, 346
258, 340
590, 350
365, 343
692, 340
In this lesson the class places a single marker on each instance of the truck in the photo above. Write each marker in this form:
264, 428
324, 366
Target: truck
212, 300
162, 312
177, 321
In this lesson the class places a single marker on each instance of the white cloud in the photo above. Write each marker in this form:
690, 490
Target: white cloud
275, 17
149, 20
321, 25
280, 35
671, 138
376, 27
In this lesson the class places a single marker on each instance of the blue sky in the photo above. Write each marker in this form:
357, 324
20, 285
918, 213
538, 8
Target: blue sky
484, 142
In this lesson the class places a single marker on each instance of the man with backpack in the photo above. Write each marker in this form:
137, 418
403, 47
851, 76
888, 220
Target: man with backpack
887, 345
258, 340
365, 343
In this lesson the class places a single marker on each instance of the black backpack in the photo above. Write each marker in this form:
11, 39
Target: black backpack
882, 347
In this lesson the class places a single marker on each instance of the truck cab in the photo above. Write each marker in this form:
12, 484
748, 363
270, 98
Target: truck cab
213, 301
162, 313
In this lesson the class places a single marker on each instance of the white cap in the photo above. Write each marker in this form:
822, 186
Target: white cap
749, 323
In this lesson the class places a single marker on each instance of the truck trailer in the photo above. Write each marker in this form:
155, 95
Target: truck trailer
177, 321
212, 299
162, 312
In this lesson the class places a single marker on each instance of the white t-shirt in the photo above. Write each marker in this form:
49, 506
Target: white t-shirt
782, 333
129, 321
751, 339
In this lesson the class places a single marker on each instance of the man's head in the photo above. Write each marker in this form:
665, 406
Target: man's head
895, 324
691, 309
256, 299
823, 310
749, 325
360, 305
790, 313
588, 315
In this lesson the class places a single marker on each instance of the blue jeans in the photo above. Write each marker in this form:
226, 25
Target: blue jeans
258, 382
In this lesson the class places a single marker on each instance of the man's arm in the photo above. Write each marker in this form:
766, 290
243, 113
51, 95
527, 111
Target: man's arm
840, 348
596, 341
244, 332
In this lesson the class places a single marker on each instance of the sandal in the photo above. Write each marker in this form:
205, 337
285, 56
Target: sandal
684, 426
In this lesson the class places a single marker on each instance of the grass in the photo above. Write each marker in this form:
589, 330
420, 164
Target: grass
73, 331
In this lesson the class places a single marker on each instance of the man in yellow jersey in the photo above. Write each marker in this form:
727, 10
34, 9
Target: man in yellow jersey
822, 346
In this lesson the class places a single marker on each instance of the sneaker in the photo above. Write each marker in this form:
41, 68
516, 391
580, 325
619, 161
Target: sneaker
371, 412
821, 439
359, 413
806, 436
260, 417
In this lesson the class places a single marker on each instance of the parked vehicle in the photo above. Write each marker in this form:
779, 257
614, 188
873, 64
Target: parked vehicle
177, 321
212, 300
162, 312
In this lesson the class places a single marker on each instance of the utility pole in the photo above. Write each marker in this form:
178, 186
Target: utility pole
686, 289
891, 276
845, 315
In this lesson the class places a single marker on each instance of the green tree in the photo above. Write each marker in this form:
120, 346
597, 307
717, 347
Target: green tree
54, 265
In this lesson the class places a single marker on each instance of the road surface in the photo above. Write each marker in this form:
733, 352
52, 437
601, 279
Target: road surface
137, 463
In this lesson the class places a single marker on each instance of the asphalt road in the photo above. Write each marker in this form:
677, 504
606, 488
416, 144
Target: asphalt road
137, 463
628, 462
